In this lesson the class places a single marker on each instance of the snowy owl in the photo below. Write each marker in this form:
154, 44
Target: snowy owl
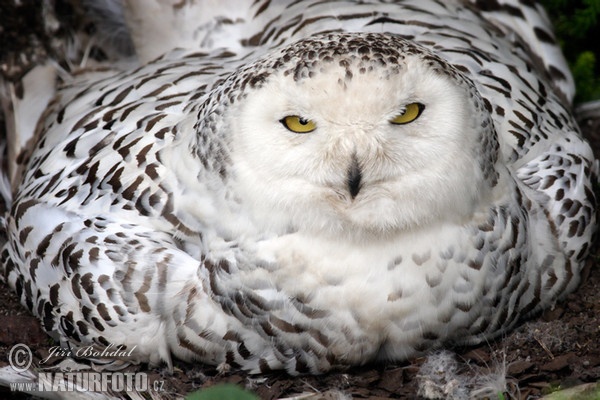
300, 185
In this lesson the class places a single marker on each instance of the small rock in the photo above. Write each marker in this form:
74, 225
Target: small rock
590, 361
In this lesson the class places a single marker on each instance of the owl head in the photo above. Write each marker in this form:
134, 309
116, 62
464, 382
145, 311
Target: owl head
356, 134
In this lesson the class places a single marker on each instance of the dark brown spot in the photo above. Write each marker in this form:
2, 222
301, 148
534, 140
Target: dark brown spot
54, 289
82, 327
103, 312
87, 283
283, 325
97, 324
143, 301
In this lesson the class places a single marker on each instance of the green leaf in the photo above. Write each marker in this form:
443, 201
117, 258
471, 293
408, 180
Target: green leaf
577, 26
222, 392
584, 72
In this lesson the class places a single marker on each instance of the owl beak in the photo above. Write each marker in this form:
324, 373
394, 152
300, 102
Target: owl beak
354, 177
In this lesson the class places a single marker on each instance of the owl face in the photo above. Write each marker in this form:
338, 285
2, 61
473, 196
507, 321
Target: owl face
356, 146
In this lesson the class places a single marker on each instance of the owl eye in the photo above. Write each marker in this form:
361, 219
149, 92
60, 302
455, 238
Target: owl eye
298, 124
411, 112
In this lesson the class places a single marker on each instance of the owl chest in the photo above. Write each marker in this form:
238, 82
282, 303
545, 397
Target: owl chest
374, 283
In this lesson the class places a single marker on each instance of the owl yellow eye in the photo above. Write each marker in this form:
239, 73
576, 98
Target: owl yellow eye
411, 112
298, 124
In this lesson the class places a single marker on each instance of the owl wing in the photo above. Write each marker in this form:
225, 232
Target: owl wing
541, 142
96, 282
92, 231
530, 27
157, 27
